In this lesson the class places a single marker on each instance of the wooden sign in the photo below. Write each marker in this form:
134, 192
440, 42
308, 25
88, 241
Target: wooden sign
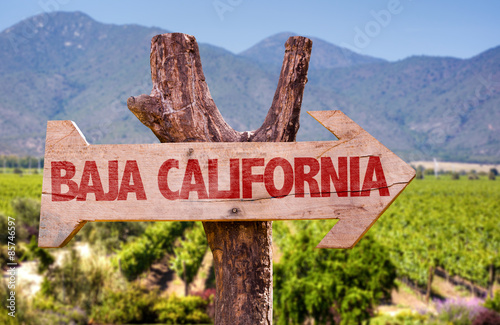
353, 179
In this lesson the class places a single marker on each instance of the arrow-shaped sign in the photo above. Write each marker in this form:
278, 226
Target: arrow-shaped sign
354, 180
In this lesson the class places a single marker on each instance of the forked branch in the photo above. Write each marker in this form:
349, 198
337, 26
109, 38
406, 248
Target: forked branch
180, 107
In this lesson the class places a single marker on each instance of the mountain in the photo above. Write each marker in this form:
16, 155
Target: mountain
423, 106
65, 65
323, 56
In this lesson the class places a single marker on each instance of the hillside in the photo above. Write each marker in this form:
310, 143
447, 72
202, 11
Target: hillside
65, 65
324, 55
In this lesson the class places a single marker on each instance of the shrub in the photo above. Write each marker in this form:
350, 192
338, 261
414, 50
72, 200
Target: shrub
186, 310
420, 173
487, 317
328, 285
493, 303
189, 255
134, 305
110, 236
137, 256
75, 287
45, 259
473, 175
429, 171
459, 311
27, 214
50, 311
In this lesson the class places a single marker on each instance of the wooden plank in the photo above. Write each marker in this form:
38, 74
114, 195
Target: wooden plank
354, 180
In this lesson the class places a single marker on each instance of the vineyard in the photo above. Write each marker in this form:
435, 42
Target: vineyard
449, 224
13, 186
445, 225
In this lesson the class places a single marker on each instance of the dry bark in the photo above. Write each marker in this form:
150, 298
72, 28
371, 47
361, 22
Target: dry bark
179, 109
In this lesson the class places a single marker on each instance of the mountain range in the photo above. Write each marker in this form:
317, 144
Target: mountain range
65, 65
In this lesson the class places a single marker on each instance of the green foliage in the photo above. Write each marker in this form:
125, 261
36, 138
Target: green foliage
19, 198
25, 218
70, 292
446, 223
134, 305
110, 236
185, 310
76, 285
18, 171
137, 256
23, 313
45, 259
473, 175
48, 310
429, 172
328, 285
402, 318
27, 214
68, 282
4, 226
12, 161
493, 303
419, 172
458, 315
459, 311
13, 186
189, 254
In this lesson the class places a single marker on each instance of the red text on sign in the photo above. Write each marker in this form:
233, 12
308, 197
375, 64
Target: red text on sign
311, 177
62, 173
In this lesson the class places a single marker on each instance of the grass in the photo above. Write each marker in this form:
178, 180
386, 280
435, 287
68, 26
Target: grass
450, 223
13, 186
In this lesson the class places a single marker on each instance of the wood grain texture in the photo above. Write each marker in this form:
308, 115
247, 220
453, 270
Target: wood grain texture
181, 111
180, 108
355, 213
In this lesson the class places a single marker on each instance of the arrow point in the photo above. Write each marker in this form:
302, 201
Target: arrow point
346, 233
338, 123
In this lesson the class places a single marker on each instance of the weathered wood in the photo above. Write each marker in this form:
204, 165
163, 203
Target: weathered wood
211, 181
147, 182
180, 107
179, 85
243, 269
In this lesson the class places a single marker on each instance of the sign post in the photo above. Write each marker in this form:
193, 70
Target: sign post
235, 182
353, 180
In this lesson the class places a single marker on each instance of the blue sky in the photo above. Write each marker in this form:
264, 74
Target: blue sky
389, 29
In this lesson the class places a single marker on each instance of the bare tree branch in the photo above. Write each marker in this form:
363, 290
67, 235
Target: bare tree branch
179, 109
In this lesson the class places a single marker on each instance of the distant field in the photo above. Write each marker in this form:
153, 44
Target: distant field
13, 186
455, 166
426, 225
451, 224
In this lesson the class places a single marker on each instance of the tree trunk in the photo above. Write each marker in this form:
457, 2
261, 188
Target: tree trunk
186, 284
491, 281
430, 276
180, 108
